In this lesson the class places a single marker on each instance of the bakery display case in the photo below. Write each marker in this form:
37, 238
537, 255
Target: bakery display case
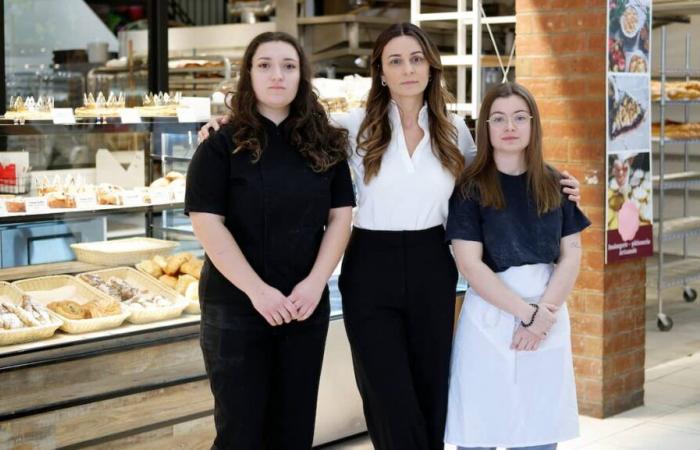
675, 87
84, 324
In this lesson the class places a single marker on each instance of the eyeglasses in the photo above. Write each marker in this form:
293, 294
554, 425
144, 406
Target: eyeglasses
500, 121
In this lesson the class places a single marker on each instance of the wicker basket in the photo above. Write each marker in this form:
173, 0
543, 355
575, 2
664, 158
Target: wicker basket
26, 334
121, 251
83, 293
192, 306
150, 284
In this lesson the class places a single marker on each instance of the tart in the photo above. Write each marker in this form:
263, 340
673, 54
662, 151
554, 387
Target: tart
626, 115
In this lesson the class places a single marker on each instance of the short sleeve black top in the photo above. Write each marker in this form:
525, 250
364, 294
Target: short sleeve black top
275, 208
515, 235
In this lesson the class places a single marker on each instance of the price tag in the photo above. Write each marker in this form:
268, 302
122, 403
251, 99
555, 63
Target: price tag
186, 115
132, 198
36, 205
159, 196
3, 210
63, 116
130, 115
86, 200
179, 194
199, 108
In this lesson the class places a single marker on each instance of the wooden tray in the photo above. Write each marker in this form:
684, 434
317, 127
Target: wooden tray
45, 290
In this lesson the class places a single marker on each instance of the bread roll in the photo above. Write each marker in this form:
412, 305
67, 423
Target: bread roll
192, 267
183, 282
150, 268
172, 175
160, 261
192, 292
160, 183
174, 263
168, 280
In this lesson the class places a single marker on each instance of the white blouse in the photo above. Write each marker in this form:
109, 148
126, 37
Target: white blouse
409, 192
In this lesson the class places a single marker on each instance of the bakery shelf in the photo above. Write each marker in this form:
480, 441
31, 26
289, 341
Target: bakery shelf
182, 229
171, 158
110, 125
678, 228
676, 273
677, 180
72, 213
678, 102
40, 270
657, 139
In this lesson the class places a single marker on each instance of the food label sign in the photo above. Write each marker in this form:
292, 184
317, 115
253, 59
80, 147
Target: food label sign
629, 209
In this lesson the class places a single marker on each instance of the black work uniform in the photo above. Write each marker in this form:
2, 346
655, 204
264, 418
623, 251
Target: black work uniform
264, 379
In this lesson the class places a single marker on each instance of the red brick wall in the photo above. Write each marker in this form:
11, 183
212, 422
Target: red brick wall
561, 51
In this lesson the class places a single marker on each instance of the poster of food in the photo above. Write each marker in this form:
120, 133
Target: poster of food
630, 211
629, 196
629, 112
629, 25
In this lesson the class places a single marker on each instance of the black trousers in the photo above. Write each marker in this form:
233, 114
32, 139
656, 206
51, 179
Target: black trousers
398, 290
265, 380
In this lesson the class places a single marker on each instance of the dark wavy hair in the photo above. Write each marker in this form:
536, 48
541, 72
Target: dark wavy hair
320, 143
375, 131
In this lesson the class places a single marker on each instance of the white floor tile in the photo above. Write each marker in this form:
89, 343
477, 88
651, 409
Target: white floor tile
660, 392
652, 436
685, 419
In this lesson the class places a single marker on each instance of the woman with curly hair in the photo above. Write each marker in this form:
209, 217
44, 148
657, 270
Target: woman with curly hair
270, 198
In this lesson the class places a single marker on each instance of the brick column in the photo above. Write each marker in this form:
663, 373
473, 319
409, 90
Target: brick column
561, 55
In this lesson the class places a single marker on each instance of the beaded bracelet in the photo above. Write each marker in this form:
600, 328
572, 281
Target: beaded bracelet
532, 319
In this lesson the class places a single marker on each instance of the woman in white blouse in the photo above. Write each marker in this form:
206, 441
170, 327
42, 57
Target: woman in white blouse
398, 277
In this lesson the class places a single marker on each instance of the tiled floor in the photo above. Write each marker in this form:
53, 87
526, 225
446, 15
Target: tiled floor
670, 418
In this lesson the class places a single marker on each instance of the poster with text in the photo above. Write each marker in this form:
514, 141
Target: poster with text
630, 212
629, 208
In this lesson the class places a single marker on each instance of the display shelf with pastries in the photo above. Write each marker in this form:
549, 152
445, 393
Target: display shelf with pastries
676, 131
666, 92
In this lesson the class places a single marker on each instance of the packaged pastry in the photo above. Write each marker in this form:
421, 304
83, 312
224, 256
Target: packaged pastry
15, 205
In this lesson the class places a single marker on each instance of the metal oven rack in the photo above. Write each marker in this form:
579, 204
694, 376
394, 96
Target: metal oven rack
687, 268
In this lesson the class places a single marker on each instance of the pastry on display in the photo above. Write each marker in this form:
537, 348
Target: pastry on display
61, 192
74, 310
626, 115
29, 109
677, 130
161, 104
109, 194
132, 296
112, 106
27, 313
15, 205
676, 90
170, 180
179, 272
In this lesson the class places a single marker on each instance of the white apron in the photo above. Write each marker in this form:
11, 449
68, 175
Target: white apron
506, 398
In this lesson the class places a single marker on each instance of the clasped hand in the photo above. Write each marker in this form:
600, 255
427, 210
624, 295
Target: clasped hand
529, 339
277, 309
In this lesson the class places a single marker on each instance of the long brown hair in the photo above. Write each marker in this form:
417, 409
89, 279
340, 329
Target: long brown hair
481, 177
311, 133
375, 131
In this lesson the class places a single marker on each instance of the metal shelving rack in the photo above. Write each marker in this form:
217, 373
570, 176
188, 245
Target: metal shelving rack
683, 271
